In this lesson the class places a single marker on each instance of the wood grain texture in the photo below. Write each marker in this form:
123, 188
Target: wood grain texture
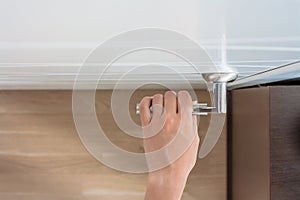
42, 157
265, 143
250, 173
285, 142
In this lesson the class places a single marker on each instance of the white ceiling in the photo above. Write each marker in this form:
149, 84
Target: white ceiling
44, 43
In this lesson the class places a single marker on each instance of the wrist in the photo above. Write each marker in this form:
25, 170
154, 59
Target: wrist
166, 184
167, 177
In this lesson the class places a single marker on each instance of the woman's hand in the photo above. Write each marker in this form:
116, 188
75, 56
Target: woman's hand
171, 115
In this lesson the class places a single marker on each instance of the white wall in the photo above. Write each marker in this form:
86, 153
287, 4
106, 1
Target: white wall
59, 34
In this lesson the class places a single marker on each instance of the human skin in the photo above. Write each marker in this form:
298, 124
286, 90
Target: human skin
176, 110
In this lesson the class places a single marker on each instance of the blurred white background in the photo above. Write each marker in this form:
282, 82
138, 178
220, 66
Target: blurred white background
40, 40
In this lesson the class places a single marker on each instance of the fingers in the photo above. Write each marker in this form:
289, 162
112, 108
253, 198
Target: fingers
185, 104
157, 105
145, 110
170, 102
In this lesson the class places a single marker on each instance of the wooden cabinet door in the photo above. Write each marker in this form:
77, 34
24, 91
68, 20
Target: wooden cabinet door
265, 143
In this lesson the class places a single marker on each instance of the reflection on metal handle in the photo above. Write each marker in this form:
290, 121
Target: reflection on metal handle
219, 81
219, 97
198, 109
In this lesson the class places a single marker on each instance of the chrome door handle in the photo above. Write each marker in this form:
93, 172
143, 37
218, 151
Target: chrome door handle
219, 81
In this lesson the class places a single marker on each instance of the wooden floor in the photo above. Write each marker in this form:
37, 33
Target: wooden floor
41, 156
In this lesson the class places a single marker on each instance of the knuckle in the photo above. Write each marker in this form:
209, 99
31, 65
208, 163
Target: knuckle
169, 93
144, 105
184, 93
186, 98
170, 123
143, 102
158, 96
143, 108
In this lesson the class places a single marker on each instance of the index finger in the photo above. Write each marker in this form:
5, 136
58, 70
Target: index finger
145, 115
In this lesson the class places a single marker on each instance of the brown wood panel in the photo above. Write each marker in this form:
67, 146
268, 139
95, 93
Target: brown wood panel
285, 142
265, 143
41, 156
250, 144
